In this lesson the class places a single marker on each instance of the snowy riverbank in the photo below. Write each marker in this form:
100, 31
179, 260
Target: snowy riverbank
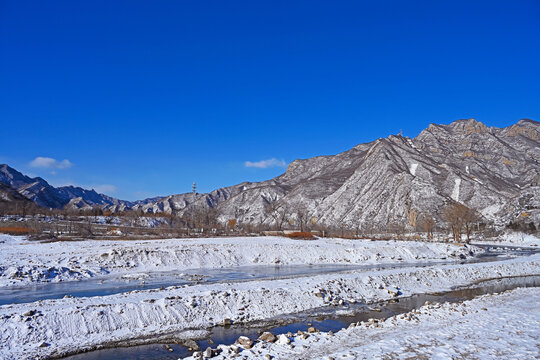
499, 326
55, 327
24, 262
513, 239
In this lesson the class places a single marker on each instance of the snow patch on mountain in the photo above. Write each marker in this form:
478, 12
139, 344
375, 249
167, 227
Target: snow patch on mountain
455, 191
413, 169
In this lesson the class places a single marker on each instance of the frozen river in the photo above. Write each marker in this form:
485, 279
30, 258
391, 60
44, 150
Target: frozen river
102, 286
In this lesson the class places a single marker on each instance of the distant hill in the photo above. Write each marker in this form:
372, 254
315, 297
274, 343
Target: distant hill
43, 194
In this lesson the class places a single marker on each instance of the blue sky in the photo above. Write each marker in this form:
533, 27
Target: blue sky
141, 98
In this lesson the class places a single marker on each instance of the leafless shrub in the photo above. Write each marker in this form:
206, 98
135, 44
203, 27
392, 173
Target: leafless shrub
459, 216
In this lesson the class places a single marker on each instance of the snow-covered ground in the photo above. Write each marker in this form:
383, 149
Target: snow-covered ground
61, 326
499, 326
23, 262
513, 239
70, 324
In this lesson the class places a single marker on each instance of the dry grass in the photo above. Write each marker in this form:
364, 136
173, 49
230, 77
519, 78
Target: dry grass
301, 235
16, 230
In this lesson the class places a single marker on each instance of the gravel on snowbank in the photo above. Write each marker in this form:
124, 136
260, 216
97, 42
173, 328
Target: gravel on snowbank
494, 326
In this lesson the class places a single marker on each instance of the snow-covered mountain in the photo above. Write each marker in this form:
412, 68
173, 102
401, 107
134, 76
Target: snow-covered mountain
493, 170
8, 195
43, 194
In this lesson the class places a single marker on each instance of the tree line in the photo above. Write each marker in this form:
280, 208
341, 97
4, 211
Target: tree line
456, 219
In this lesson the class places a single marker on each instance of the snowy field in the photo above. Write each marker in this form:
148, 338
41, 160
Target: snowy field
514, 239
56, 327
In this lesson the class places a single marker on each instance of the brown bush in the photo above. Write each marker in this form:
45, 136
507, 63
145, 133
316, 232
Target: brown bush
301, 235
15, 230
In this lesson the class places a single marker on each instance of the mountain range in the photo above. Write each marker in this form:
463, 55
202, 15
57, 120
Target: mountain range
495, 171
45, 195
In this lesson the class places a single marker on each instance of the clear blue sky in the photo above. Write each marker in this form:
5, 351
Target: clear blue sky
148, 96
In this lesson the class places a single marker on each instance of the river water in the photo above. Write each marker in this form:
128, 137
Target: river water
324, 319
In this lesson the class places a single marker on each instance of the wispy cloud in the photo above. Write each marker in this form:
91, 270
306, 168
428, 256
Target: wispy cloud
50, 163
263, 164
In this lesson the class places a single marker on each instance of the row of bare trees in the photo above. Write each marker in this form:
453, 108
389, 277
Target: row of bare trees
20, 208
284, 214
459, 218
279, 215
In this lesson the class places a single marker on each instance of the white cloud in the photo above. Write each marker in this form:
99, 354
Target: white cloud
50, 163
105, 188
263, 164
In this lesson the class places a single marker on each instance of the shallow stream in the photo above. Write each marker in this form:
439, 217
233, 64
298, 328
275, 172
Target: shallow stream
323, 319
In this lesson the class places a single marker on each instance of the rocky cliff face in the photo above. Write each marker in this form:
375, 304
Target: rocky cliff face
493, 170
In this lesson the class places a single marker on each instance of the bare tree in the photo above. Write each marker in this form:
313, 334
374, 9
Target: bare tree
133, 217
470, 218
231, 224
357, 229
452, 215
458, 216
174, 218
396, 228
23, 208
205, 217
279, 211
412, 217
427, 224
85, 227
302, 217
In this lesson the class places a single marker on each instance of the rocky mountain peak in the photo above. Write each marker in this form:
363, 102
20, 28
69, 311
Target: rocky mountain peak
525, 127
528, 122
43, 194
12, 177
468, 126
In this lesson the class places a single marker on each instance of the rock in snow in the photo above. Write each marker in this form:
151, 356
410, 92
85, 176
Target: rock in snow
268, 337
283, 339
